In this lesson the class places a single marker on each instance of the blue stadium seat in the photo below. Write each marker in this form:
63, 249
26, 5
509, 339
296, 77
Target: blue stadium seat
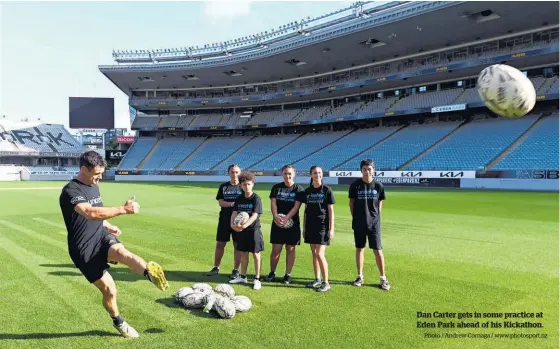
212, 152
254, 151
302, 147
136, 153
403, 146
345, 148
474, 145
539, 151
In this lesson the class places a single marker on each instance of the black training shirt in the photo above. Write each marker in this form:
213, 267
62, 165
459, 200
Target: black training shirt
366, 203
228, 192
84, 235
286, 198
250, 205
317, 202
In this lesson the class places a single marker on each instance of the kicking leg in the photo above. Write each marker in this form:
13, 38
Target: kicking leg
151, 270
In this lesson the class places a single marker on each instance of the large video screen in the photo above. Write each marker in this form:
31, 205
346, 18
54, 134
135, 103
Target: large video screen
96, 113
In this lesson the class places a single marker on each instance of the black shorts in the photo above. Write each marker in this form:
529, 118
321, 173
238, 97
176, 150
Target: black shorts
282, 236
250, 241
224, 230
317, 235
372, 235
94, 268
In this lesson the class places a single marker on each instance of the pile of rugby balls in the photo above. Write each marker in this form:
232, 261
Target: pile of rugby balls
221, 299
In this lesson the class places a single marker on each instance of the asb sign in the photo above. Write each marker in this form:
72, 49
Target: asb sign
407, 174
125, 139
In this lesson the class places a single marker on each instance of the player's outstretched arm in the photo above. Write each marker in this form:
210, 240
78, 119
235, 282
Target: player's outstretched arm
103, 213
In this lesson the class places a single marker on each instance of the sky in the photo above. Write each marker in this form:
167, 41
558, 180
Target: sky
50, 51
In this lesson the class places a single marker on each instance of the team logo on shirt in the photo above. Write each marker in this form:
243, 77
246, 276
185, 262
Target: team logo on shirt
231, 194
95, 201
284, 195
315, 198
245, 207
368, 193
77, 199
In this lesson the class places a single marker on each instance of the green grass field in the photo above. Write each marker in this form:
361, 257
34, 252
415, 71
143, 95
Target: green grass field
446, 251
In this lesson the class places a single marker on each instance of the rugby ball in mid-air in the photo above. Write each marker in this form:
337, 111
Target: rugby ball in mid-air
241, 218
506, 91
288, 224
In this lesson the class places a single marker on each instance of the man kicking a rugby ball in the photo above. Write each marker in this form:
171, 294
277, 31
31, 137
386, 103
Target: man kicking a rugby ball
92, 240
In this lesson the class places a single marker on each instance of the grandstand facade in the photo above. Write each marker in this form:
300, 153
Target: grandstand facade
39, 148
395, 83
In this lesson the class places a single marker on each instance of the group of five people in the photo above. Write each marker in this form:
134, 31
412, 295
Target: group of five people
365, 195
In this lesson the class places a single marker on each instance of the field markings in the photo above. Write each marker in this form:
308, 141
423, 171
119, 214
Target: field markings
153, 310
58, 286
30, 188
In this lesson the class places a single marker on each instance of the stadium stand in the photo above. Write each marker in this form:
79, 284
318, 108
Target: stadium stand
474, 145
145, 122
254, 151
300, 148
538, 151
32, 138
137, 153
213, 151
180, 151
165, 148
270, 117
426, 100
345, 148
402, 146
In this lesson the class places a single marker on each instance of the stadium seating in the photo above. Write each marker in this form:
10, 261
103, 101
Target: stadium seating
427, 99
300, 148
24, 137
474, 145
137, 152
277, 116
469, 95
213, 151
347, 147
539, 151
165, 148
170, 121
313, 113
378, 105
254, 151
403, 146
180, 151
553, 86
145, 122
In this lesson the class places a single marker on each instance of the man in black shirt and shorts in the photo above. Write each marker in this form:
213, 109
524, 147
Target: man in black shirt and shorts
366, 200
92, 241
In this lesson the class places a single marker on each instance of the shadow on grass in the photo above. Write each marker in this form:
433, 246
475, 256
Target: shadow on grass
58, 266
191, 277
6, 336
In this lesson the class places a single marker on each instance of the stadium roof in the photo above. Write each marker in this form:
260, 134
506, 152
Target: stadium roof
403, 30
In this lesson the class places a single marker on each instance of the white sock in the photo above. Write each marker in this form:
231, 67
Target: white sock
383, 277
360, 276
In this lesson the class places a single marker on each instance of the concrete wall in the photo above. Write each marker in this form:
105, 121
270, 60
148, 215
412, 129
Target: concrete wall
218, 179
510, 184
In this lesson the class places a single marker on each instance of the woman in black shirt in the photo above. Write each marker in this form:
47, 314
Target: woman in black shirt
318, 225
